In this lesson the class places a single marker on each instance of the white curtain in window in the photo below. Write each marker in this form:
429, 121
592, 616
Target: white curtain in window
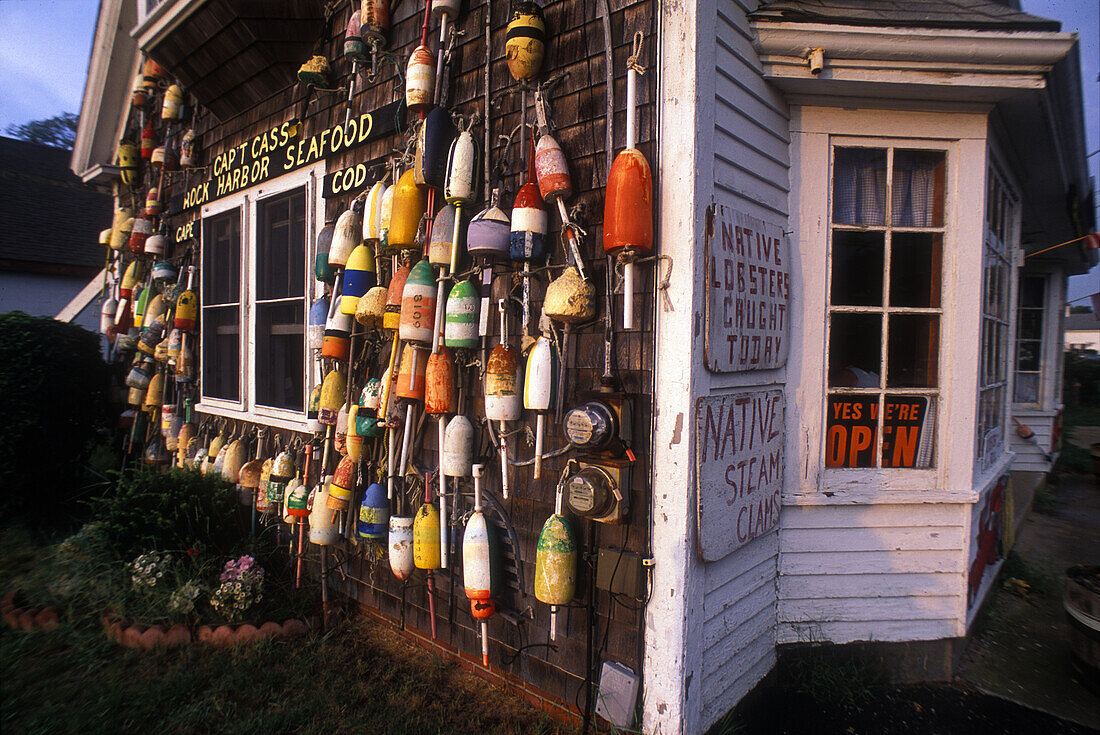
914, 190
860, 187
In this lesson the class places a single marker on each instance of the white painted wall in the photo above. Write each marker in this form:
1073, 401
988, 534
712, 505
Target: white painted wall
710, 628
45, 295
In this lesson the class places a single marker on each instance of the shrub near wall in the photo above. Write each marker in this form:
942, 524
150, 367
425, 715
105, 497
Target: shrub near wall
53, 400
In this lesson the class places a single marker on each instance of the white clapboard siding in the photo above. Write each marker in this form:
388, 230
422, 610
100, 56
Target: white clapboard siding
1030, 455
751, 138
872, 572
751, 174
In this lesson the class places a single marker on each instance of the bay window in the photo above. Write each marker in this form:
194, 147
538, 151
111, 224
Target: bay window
255, 283
884, 308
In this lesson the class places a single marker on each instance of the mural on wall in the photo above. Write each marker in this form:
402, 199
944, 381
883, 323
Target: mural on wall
987, 531
748, 293
739, 468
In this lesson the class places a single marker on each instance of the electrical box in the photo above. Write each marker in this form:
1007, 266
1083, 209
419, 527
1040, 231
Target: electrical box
622, 573
618, 694
600, 490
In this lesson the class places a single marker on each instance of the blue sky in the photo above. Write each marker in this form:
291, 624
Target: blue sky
45, 46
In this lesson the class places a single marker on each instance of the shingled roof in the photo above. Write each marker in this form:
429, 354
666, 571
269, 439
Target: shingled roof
964, 14
49, 220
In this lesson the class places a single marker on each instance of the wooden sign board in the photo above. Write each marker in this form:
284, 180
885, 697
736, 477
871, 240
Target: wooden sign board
348, 180
282, 149
748, 294
738, 468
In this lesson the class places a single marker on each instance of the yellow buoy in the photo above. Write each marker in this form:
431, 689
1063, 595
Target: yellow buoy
426, 549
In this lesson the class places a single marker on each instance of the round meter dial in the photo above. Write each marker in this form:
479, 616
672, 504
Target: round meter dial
591, 426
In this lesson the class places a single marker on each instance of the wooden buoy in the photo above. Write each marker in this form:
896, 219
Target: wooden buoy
391, 317
460, 329
569, 298
408, 209
420, 80
539, 389
458, 447
440, 399
426, 548
354, 47
525, 41
527, 241
129, 162
556, 563
442, 243
148, 140
152, 74
374, 513
480, 566
372, 307
372, 214
143, 228
418, 301
322, 529
628, 205
189, 149
433, 143
313, 410
333, 393
334, 344
187, 305
173, 103
120, 228
318, 318
342, 485
503, 402
489, 232
360, 275
322, 271
400, 544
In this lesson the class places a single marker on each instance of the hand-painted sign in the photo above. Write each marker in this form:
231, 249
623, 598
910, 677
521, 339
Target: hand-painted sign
853, 425
986, 536
347, 180
281, 150
739, 468
186, 231
748, 293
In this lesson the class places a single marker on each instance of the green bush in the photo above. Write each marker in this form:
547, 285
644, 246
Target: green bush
1082, 377
53, 400
171, 511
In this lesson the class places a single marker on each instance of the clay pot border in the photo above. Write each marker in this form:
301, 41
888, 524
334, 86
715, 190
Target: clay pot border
28, 619
153, 637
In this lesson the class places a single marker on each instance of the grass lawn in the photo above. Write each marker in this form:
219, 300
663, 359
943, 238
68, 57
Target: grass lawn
358, 678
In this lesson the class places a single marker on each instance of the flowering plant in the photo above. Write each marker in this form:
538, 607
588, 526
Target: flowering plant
147, 569
241, 587
182, 600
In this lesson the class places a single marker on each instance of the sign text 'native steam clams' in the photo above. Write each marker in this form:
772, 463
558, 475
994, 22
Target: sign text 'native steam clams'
739, 459
748, 294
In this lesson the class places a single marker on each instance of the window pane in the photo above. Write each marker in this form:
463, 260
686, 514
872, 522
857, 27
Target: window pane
917, 196
915, 268
908, 429
1031, 324
281, 246
280, 339
850, 435
859, 186
855, 350
221, 258
1027, 388
913, 351
1031, 292
1027, 357
221, 352
857, 268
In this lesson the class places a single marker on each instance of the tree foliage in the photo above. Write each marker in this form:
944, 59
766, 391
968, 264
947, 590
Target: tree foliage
58, 131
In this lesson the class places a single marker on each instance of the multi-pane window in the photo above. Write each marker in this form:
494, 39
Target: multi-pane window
1000, 233
255, 283
885, 275
1030, 314
221, 306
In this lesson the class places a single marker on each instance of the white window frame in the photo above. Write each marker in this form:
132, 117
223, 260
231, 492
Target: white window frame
246, 202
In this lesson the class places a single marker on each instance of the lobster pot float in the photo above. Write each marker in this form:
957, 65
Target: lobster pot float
154, 394
411, 375
354, 48
148, 141
313, 410
432, 145
374, 513
152, 74
569, 298
371, 307
187, 311
372, 214
152, 202
461, 181
384, 219
316, 72
140, 375
297, 501
318, 316
359, 276
129, 158
460, 326
458, 447
163, 158
333, 393
354, 438
262, 506
440, 394
107, 314
374, 16
175, 343
322, 530
489, 232
163, 271
400, 544
477, 564
143, 228
342, 485
503, 402
391, 317
442, 241
371, 397
322, 271
189, 149
556, 562
139, 98
349, 229
337, 332
420, 80
155, 245
173, 103
525, 41
120, 228
552, 170
426, 548
529, 221
409, 204
539, 389
235, 457
418, 300
282, 472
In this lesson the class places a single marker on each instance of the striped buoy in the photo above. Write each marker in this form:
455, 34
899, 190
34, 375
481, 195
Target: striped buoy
525, 41
374, 513
489, 232
391, 317
460, 329
410, 376
418, 300
322, 271
529, 221
337, 333
173, 103
359, 276
313, 410
318, 317
342, 485
354, 48
129, 162
420, 80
